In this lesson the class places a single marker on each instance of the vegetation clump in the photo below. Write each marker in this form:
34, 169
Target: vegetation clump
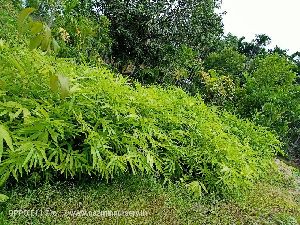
75, 119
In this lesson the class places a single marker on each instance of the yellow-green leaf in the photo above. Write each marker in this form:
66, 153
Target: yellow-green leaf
36, 27
64, 85
28, 157
36, 42
26, 114
54, 82
55, 45
23, 16
4, 178
3, 198
47, 38
4, 135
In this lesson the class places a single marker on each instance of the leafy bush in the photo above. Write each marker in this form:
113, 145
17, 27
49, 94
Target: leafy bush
227, 62
62, 26
179, 70
73, 119
265, 87
82, 37
8, 22
218, 90
271, 97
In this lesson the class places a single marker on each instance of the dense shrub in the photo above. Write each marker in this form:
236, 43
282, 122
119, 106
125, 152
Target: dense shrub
83, 37
262, 86
227, 62
225, 77
271, 97
179, 70
58, 116
8, 21
218, 89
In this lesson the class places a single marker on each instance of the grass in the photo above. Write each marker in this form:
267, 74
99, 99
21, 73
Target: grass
276, 201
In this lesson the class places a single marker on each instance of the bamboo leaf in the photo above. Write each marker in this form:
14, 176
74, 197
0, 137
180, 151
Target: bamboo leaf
1, 148
150, 160
46, 38
35, 42
28, 157
5, 135
23, 16
55, 45
36, 27
4, 178
64, 86
26, 114
54, 82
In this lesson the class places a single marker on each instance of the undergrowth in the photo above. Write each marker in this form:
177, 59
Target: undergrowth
76, 120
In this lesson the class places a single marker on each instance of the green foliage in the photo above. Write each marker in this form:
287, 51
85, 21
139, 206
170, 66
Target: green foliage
218, 89
296, 58
68, 31
3, 198
256, 47
81, 120
149, 36
173, 204
83, 36
8, 22
141, 36
252, 49
179, 70
40, 33
227, 62
58, 117
271, 96
225, 77
265, 85
197, 188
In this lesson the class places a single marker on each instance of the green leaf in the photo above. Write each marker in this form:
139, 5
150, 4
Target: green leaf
64, 85
55, 45
15, 115
4, 135
28, 157
4, 178
2, 44
14, 173
150, 160
3, 198
203, 187
196, 188
26, 114
54, 82
15, 63
36, 27
47, 38
23, 16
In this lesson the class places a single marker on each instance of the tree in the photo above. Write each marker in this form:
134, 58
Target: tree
143, 31
226, 62
145, 34
256, 47
271, 96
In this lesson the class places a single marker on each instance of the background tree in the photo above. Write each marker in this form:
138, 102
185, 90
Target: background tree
145, 34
